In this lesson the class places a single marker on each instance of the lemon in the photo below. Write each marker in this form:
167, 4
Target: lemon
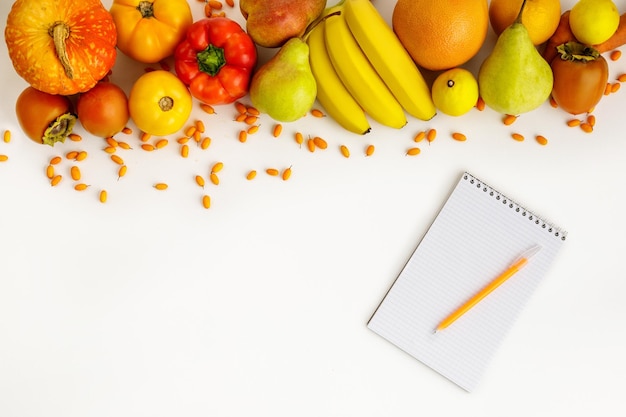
455, 91
594, 21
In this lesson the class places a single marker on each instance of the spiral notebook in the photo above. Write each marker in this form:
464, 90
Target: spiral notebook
475, 236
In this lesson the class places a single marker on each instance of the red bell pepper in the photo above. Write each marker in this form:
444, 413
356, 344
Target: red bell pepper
216, 60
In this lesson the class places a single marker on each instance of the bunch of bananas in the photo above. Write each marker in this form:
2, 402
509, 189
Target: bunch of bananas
362, 69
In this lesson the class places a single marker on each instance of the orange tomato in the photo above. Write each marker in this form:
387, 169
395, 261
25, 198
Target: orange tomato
149, 30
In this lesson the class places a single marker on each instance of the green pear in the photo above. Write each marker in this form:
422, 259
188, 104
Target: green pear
284, 87
515, 78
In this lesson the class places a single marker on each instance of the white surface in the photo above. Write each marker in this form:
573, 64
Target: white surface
150, 305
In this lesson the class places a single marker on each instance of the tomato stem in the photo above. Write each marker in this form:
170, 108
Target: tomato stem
146, 9
166, 103
211, 60
59, 32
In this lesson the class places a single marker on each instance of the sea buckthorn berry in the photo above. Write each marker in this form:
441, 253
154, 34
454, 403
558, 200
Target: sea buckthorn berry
278, 128
205, 143
207, 108
161, 143
480, 104
320, 143
206, 201
413, 151
286, 174
217, 167
541, 140
122, 171
509, 119
431, 135
75, 173
299, 137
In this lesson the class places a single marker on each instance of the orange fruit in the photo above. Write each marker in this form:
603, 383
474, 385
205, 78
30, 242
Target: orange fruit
439, 34
540, 17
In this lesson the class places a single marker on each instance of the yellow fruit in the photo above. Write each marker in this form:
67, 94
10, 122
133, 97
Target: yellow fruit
455, 91
594, 21
540, 17
438, 34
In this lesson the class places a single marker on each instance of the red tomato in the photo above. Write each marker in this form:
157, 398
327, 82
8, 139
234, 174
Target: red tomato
103, 110
45, 118
580, 77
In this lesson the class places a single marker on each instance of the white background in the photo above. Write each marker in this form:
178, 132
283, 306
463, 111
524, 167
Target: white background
150, 305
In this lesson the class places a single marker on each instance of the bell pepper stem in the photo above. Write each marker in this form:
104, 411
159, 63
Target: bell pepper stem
211, 60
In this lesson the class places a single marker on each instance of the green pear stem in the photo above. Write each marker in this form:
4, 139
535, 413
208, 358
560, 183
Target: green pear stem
518, 19
320, 19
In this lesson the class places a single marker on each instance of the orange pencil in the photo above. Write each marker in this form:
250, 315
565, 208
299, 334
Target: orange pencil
510, 271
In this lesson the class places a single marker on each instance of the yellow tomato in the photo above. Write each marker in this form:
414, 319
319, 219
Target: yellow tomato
149, 30
159, 103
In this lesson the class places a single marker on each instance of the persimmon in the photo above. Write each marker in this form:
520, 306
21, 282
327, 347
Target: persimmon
44, 118
580, 77
103, 110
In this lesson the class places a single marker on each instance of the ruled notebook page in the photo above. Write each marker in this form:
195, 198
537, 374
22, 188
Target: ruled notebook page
477, 234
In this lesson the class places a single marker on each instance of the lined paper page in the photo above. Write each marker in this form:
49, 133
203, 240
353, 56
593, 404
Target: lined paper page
474, 238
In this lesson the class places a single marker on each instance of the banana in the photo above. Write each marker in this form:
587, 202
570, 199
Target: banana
389, 57
331, 93
359, 76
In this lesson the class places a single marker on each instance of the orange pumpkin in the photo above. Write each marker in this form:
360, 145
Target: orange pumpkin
61, 46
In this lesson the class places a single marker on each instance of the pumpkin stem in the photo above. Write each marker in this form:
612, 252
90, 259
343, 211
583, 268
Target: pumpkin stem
60, 32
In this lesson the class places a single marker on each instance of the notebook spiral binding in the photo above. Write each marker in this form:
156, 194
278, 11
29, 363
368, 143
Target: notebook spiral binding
539, 221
